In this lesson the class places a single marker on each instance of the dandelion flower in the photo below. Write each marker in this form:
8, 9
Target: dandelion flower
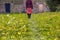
55, 39
3, 33
19, 33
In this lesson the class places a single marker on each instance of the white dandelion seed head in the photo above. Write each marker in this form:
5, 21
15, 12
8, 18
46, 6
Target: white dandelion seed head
9, 22
13, 17
24, 25
7, 15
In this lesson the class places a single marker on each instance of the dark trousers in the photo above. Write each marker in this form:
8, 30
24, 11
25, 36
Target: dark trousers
29, 16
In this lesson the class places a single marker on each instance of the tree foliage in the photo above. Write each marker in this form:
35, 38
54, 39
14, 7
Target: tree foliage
53, 4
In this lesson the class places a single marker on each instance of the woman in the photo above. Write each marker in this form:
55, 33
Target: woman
29, 7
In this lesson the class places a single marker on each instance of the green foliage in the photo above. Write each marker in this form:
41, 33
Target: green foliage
51, 5
45, 26
58, 8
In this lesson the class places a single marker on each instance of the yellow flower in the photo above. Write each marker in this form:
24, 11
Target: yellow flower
9, 28
3, 33
19, 33
55, 39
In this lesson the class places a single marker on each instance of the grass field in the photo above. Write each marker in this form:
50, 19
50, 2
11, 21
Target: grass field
43, 26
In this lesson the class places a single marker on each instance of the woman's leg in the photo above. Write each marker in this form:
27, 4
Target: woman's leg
29, 15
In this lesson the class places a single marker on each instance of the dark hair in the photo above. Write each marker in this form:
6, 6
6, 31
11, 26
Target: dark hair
29, 4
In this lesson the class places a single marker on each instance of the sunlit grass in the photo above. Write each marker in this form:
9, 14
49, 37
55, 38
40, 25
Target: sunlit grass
41, 26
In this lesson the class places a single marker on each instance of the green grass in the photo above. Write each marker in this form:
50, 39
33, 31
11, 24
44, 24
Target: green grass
43, 26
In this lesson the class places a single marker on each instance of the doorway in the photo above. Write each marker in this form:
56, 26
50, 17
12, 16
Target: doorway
7, 7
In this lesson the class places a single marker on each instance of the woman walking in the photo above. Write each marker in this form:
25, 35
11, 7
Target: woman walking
29, 8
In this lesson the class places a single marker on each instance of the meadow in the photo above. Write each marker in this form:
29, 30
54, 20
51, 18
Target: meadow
41, 26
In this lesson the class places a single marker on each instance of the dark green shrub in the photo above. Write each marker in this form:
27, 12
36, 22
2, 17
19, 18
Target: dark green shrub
51, 5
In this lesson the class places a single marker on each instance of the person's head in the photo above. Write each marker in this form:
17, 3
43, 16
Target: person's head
28, 0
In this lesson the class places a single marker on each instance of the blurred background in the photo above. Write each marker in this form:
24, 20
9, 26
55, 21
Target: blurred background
9, 6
